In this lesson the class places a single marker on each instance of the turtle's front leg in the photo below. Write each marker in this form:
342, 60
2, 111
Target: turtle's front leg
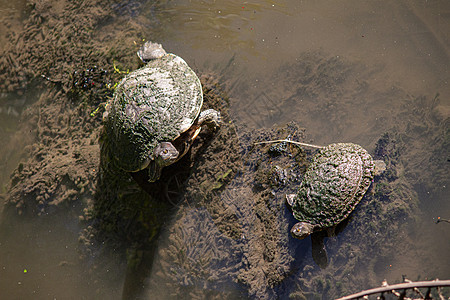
154, 171
210, 118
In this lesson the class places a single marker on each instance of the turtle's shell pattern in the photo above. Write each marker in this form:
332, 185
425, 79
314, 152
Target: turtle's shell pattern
334, 183
153, 104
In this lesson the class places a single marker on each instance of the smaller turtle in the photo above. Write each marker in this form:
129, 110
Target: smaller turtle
154, 115
334, 183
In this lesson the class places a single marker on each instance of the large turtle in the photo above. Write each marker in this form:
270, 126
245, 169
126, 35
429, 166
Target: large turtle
334, 183
154, 115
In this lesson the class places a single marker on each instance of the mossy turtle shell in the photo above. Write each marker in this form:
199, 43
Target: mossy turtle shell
334, 183
153, 104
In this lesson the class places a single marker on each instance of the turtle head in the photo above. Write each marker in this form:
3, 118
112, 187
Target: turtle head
163, 155
301, 230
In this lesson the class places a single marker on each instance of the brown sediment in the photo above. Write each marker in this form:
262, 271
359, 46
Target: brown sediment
62, 164
233, 209
60, 52
245, 224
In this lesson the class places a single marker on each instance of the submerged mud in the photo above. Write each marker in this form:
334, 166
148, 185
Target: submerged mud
243, 228
64, 59
230, 233
235, 240
64, 52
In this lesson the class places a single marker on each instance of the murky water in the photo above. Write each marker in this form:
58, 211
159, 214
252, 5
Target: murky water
383, 55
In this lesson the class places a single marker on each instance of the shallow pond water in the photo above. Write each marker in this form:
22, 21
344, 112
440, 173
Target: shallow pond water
346, 72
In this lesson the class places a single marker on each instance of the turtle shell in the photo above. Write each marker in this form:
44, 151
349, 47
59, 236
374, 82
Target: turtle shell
334, 183
153, 104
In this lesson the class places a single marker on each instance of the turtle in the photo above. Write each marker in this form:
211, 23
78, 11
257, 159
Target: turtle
334, 183
155, 113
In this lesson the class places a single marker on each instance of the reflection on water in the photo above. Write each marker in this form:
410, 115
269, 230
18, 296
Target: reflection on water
347, 71
390, 42
222, 26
